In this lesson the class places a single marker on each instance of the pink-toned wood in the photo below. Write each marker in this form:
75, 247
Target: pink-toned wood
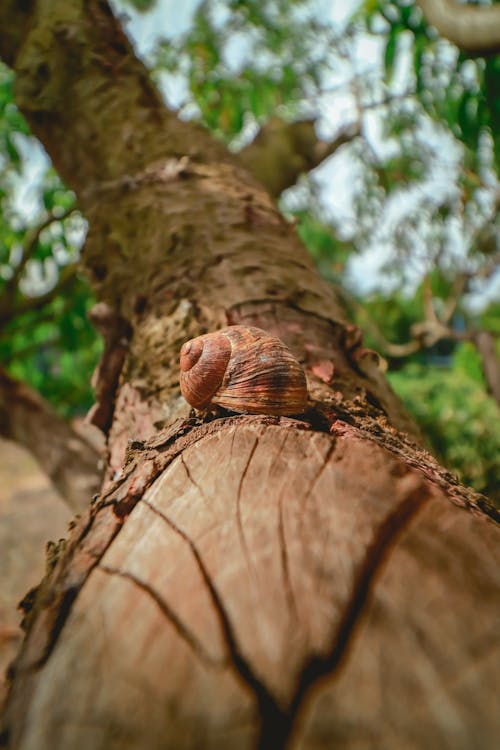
309, 591
32, 514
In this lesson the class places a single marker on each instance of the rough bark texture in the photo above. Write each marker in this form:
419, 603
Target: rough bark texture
241, 581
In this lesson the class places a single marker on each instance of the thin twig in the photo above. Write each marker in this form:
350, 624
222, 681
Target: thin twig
31, 304
30, 243
458, 287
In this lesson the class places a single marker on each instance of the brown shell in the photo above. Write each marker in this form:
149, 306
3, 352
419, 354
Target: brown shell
244, 370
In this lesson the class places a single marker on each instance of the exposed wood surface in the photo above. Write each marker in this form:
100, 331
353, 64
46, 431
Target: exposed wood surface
311, 591
31, 514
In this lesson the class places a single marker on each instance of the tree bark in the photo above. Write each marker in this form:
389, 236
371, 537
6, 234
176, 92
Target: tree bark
476, 30
242, 581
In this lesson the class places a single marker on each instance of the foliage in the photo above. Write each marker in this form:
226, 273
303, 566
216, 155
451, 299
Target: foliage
12, 124
45, 339
442, 387
243, 60
330, 253
55, 350
449, 114
456, 91
459, 421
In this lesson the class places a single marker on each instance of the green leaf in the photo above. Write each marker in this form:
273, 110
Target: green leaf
390, 54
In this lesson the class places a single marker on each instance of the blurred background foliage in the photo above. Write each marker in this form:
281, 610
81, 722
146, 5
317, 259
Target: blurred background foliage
414, 244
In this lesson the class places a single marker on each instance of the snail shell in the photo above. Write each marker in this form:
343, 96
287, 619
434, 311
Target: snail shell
244, 370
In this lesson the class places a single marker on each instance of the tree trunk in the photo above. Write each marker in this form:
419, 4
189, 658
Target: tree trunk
242, 581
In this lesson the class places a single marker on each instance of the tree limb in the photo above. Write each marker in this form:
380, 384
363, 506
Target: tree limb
9, 310
66, 457
486, 346
282, 151
458, 288
424, 334
475, 30
116, 332
30, 243
428, 302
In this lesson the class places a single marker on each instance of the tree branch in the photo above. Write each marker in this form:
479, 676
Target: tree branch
485, 344
30, 304
428, 302
475, 30
458, 288
13, 32
388, 348
66, 457
30, 243
282, 151
425, 333
116, 333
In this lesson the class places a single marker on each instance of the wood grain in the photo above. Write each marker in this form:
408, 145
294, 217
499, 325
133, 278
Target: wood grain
309, 591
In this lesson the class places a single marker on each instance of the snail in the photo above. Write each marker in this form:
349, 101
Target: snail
244, 370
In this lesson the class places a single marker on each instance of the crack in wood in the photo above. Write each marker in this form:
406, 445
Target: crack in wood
239, 521
63, 599
61, 587
278, 724
192, 480
63, 611
270, 712
322, 666
326, 460
166, 610
289, 593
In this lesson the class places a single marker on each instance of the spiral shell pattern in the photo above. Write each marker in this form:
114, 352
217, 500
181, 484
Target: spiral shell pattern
242, 369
